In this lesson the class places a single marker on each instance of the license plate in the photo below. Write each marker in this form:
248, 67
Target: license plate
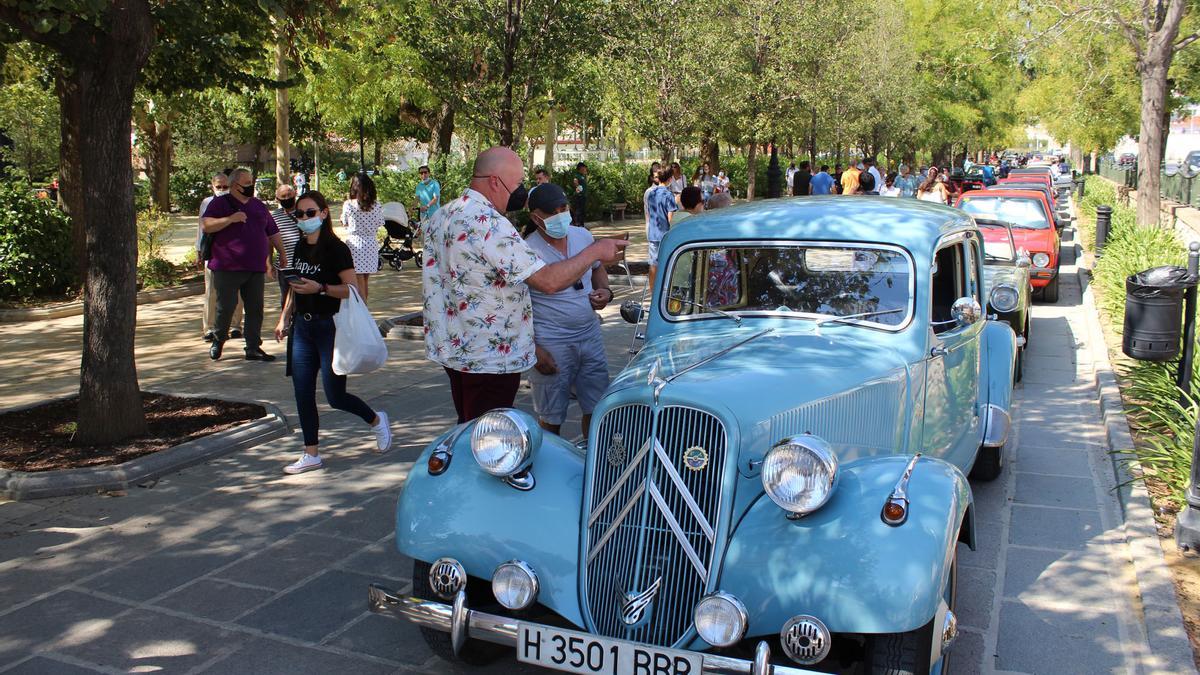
587, 654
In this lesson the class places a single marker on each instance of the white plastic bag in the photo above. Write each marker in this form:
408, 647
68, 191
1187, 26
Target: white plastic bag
357, 345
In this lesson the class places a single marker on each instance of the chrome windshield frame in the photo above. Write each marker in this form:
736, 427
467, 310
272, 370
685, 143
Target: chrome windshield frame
909, 317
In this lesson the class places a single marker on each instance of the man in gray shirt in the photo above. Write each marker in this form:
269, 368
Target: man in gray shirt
566, 330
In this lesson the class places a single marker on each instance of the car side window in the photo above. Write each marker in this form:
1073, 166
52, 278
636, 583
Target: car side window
946, 285
972, 268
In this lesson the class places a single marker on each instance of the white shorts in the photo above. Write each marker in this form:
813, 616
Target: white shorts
652, 249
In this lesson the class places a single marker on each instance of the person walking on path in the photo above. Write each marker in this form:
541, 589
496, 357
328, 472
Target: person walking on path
429, 193
791, 172
661, 204
326, 272
300, 182
362, 216
288, 231
849, 181
579, 217
476, 280
874, 171
568, 343
650, 185
908, 182
934, 188
678, 182
822, 183
243, 234
220, 188
802, 181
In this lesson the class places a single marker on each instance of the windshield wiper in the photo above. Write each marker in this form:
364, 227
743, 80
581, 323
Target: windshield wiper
849, 317
736, 319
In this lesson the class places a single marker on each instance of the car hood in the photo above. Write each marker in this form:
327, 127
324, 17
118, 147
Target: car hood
1034, 241
998, 274
851, 391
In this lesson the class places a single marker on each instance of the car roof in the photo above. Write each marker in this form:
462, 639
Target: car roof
910, 223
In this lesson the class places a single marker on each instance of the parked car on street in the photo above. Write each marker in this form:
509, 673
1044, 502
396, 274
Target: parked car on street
776, 482
1061, 207
1032, 220
1006, 271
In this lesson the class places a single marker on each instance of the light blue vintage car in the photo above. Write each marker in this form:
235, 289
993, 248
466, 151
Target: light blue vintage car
775, 484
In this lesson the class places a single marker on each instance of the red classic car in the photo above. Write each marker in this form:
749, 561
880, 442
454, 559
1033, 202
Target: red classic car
1031, 216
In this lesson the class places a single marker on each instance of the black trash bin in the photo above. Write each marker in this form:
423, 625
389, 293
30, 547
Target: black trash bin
1154, 312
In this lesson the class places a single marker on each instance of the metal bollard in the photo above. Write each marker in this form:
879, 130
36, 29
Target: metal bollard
1082, 182
1103, 224
1187, 525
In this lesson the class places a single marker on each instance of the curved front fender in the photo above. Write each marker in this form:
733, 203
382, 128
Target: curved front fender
1000, 354
843, 564
481, 521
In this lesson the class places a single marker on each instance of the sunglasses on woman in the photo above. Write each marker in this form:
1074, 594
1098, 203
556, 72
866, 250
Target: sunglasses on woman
303, 213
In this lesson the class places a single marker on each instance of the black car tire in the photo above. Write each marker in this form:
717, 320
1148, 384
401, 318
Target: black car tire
473, 652
909, 653
989, 463
1050, 290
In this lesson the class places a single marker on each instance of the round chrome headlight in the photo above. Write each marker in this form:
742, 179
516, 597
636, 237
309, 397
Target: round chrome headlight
721, 619
515, 585
502, 441
1004, 298
1041, 259
799, 473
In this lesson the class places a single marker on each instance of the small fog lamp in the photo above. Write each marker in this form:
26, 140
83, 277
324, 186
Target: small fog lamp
515, 585
721, 619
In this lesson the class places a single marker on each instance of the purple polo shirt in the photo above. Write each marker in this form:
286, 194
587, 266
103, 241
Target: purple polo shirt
241, 247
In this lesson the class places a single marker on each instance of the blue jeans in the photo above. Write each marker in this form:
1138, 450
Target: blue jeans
312, 352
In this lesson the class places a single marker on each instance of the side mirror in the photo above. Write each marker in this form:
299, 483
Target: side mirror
631, 311
966, 311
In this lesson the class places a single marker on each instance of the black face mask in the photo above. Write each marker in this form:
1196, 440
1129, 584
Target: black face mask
516, 200
246, 191
287, 204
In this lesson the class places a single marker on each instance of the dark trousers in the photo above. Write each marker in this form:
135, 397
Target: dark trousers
477, 393
249, 285
312, 352
579, 211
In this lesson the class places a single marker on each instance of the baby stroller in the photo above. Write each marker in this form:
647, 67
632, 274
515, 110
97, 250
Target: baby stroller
395, 221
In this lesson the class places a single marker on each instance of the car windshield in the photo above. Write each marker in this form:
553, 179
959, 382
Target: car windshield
1021, 212
809, 281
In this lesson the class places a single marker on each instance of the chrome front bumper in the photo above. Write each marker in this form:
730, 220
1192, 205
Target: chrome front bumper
462, 623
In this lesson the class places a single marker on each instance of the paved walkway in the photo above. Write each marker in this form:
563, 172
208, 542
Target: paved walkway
232, 567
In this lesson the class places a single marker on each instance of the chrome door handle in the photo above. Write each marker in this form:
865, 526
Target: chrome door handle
938, 351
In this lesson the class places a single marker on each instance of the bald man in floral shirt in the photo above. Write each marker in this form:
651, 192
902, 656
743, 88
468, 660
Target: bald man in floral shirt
476, 280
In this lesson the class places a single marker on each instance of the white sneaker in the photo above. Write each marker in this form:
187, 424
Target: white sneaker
383, 432
306, 462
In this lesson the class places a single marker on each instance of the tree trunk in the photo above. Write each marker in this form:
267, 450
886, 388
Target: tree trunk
512, 39
710, 151
751, 170
283, 169
441, 134
160, 163
378, 154
812, 142
551, 137
1150, 141
97, 103
70, 170
621, 146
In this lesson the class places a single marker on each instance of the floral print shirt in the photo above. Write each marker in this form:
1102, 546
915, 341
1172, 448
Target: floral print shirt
478, 316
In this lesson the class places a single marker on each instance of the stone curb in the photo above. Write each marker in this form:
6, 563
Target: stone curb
76, 308
24, 485
1165, 632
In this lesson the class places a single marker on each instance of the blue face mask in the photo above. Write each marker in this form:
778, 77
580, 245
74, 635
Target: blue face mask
557, 224
310, 225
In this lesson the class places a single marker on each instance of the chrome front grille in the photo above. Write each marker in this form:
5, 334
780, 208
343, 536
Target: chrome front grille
652, 519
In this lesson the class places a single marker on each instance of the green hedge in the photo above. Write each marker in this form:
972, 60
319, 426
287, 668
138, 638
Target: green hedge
1163, 425
35, 246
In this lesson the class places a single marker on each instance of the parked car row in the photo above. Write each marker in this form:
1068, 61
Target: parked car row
777, 481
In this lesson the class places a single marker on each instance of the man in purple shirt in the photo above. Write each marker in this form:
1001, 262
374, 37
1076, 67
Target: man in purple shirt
243, 235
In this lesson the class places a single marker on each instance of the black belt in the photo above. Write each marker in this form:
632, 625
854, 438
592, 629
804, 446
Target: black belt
312, 316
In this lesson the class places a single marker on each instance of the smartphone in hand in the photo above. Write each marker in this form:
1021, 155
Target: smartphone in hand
290, 275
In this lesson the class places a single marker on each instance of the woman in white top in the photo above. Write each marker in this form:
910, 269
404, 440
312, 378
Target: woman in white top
933, 189
362, 216
678, 182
